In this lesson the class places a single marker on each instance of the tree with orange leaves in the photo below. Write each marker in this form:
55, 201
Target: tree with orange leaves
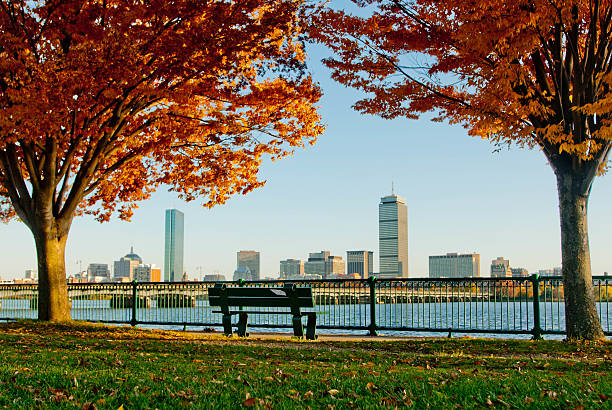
527, 72
103, 101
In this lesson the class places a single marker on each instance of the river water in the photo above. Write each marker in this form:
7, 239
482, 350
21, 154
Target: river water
414, 319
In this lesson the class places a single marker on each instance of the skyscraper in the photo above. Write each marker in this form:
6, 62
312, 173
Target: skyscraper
173, 249
393, 237
249, 259
361, 262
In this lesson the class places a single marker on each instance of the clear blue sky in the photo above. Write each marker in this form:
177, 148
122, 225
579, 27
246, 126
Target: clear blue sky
461, 196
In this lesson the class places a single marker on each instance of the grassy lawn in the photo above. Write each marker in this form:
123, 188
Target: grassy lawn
90, 366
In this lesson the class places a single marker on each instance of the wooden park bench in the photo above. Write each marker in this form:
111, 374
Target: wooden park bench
288, 296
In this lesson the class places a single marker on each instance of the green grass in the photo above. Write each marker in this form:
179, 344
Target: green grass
83, 365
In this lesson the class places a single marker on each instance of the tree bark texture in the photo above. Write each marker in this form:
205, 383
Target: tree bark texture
581, 318
53, 303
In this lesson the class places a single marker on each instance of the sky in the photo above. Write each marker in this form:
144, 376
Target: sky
461, 195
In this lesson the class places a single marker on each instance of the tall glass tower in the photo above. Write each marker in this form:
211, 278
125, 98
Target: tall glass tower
173, 248
393, 237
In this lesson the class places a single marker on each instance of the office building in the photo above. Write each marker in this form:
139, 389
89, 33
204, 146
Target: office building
454, 265
215, 277
124, 267
147, 273
243, 273
98, 272
393, 237
361, 262
249, 259
550, 272
173, 248
31, 274
500, 268
315, 265
519, 272
334, 267
324, 264
291, 268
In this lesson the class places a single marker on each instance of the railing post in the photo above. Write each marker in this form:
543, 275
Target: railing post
535, 284
241, 283
373, 327
134, 304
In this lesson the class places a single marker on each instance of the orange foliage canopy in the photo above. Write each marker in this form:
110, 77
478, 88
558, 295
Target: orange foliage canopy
533, 72
101, 101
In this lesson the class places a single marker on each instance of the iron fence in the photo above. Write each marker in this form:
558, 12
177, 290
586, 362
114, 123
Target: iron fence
529, 306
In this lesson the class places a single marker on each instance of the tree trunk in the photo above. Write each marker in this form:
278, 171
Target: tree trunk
581, 318
53, 304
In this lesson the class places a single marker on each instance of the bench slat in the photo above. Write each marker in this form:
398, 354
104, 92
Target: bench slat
261, 301
260, 292
263, 312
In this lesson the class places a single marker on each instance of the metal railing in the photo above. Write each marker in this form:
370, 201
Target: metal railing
529, 306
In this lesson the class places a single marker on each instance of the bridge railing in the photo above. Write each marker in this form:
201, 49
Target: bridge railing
531, 305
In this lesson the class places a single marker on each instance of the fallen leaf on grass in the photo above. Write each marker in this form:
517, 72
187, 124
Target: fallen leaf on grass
252, 402
308, 395
388, 401
333, 392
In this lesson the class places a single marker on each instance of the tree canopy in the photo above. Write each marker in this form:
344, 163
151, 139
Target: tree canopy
103, 101
529, 72
535, 73
106, 100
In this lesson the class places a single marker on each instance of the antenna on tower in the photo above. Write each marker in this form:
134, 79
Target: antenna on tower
392, 188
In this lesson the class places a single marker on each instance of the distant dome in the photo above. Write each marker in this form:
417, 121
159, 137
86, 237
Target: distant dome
133, 256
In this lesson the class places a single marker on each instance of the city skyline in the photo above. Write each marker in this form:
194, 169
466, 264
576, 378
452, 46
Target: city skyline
465, 195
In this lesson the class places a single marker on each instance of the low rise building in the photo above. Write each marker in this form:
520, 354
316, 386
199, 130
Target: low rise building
243, 273
519, 272
500, 268
324, 264
98, 272
147, 273
455, 265
214, 278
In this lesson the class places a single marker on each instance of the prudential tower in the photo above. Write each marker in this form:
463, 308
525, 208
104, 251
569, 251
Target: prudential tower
393, 237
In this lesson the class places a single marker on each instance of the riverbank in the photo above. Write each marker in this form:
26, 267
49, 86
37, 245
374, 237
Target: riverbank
91, 366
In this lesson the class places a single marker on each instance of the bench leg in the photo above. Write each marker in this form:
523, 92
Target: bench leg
298, 329
227, 325
243, 319
311, 327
